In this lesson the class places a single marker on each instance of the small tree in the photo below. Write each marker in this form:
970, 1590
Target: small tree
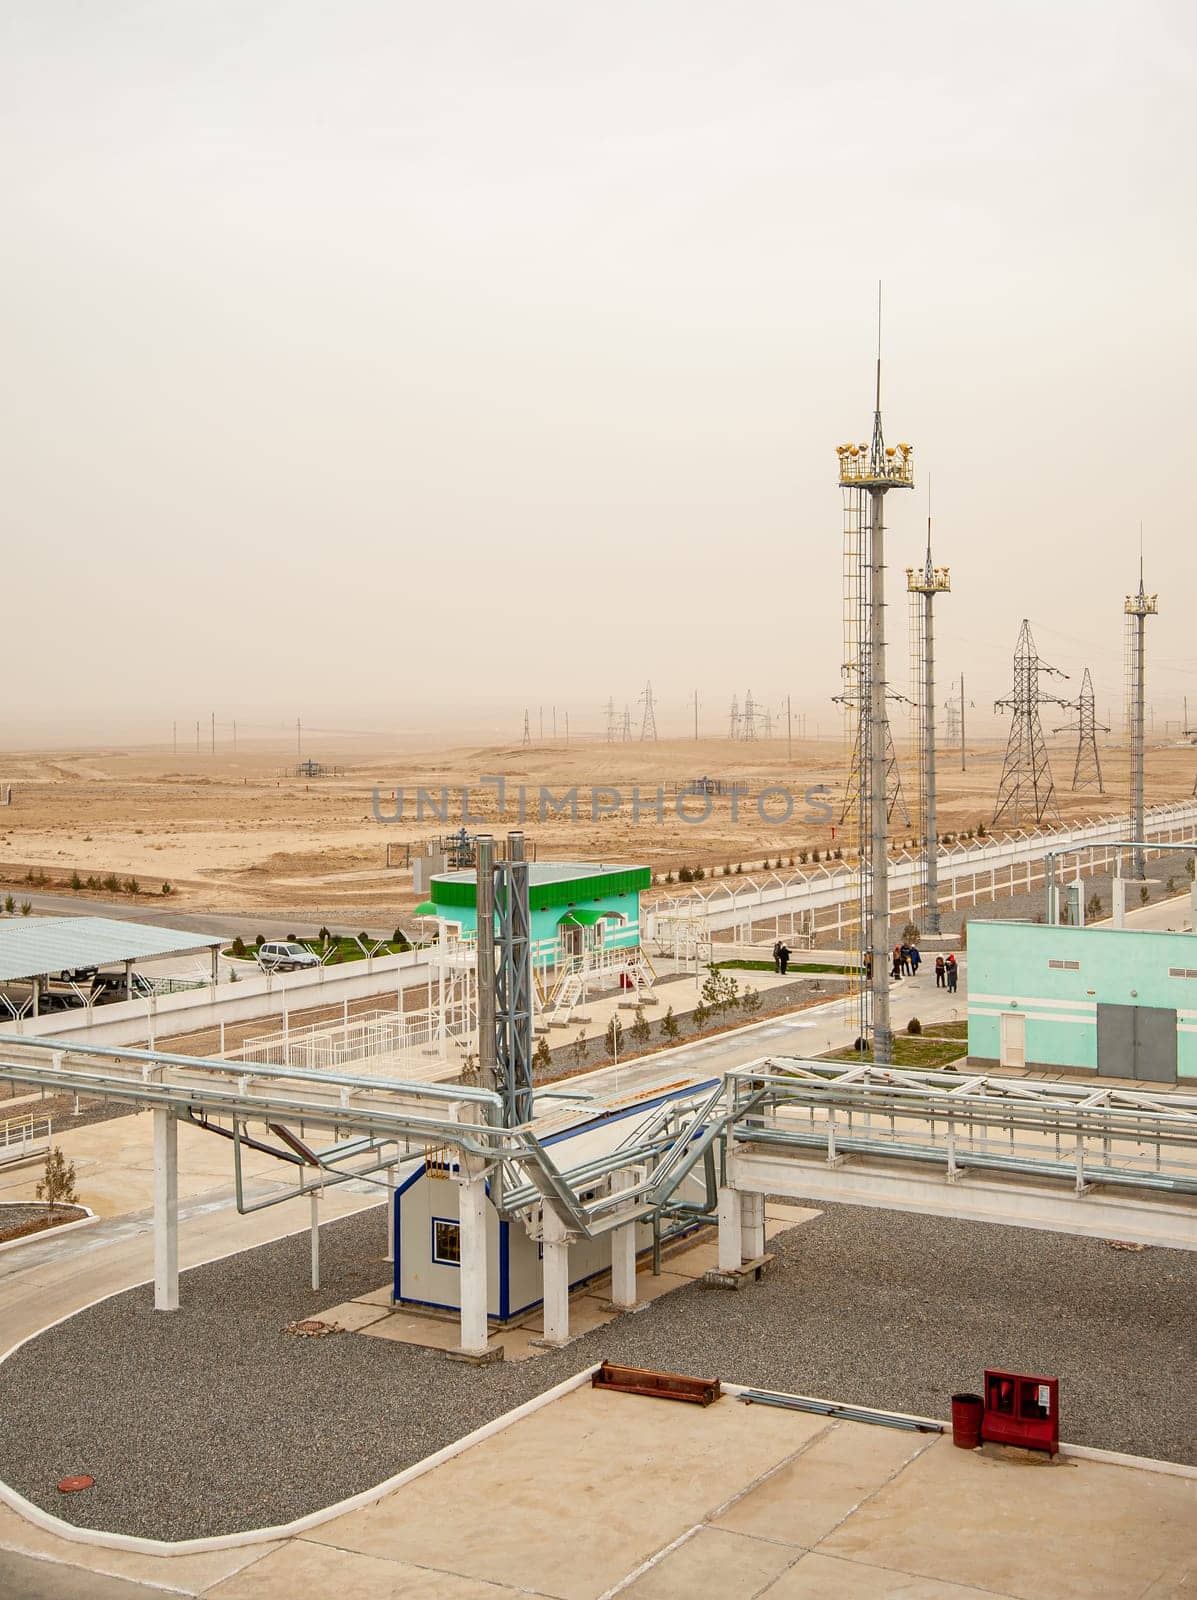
132, 886
542, 1059
684, 875
1190, 865
1093, 907
579, 1047
669, 877
167, 887
239, 948
1144, 894
911, 934
10, 905
669, 1027
613, 1037
751, 1000
26, 907
57, 1188
640, 1030
914, 1026
76, 881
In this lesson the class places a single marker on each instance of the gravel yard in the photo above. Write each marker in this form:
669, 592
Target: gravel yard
213, 1419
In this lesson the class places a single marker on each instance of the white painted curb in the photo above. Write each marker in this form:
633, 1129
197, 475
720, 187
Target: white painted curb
286, 1530
51, 1233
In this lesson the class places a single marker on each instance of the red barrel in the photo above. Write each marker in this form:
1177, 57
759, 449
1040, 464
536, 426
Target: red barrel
966, 1420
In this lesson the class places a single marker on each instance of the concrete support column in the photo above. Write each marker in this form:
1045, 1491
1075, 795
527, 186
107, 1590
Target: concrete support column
474, 1332
555, 1249
315, 1224
752, 1225
166, 1210
623, 1252
1118, 901
390, 1213
730, 1239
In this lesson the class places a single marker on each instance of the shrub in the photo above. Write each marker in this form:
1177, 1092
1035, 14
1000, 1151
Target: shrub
613, 1037
802, 857
914, 1026
751, 1000
238, 948
167, 887
669, 877
1093, 907
542, 1060
684, 875
911, 934
293, 938
699, 873
260, 939
640, 1030
132, 886
92, 881
364, 938
669, 1027
112, 883
1190, 865
1144, 894
579, 1047
326, 938
57, 1188
76, 881
740, 866
26, 907
10, 905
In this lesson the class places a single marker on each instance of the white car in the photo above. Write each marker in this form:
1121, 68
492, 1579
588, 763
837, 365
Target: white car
284, 956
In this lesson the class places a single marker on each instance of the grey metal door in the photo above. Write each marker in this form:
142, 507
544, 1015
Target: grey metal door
1136, 1042
1155, 1044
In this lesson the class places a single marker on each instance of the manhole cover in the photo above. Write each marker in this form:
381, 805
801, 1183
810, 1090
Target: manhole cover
312, 1328
74, 1484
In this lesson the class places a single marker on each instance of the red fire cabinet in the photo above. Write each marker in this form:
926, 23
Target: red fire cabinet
1022, 1409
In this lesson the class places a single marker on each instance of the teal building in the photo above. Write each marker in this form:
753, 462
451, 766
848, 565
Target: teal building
575, 906
1120, 1002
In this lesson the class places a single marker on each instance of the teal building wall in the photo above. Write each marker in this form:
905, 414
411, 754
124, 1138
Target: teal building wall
1057, 977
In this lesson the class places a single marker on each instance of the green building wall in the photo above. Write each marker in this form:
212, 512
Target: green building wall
619, 934
1010, 968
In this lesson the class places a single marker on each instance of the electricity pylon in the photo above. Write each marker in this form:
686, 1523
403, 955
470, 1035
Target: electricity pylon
527, 730
1086, 770
1137, 607
1026, 785
648, 722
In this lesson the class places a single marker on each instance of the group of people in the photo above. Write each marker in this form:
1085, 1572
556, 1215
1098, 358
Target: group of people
907, 959
906, 962
781, 956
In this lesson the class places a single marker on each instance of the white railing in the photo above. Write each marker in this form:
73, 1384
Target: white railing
24, 1136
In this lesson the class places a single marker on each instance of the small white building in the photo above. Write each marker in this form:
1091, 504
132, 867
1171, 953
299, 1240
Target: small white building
428, 1234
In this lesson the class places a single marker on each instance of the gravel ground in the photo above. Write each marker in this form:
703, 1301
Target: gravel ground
212, 1419
16, 1213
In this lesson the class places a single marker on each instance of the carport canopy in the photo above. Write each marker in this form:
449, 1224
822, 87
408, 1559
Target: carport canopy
38, 947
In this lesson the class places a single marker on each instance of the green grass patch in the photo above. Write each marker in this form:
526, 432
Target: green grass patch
342, 950
946, 1030
909, 1051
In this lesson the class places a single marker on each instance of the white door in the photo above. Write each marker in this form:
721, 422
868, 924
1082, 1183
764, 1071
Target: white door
1014, 1039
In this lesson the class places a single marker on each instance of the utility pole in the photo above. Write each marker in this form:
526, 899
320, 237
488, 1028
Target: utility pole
923, 584
866, 474
789, 731
962, 767
1137, 607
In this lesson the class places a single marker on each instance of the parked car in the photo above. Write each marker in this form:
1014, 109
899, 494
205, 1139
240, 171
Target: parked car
285, 956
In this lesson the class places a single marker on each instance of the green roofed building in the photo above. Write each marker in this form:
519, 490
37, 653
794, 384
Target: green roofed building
575, 905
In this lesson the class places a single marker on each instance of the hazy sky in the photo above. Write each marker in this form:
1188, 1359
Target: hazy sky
370, 359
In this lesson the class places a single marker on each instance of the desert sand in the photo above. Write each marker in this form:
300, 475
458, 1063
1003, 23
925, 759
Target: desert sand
239, 830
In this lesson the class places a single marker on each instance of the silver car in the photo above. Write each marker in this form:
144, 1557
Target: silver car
285, 956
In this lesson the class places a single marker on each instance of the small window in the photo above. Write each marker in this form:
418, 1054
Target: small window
1065, 966
1182, 972
446, 1242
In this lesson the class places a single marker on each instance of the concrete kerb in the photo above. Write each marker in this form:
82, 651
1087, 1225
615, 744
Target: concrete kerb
287, 1530
52, 1233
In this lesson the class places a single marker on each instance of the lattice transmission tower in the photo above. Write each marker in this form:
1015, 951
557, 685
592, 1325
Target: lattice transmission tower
866, 475
733, 728
922, 585
648, 722
612, 725
1137, 609
626, 728
527, 730
1026, 788
748, 717
1086, 770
